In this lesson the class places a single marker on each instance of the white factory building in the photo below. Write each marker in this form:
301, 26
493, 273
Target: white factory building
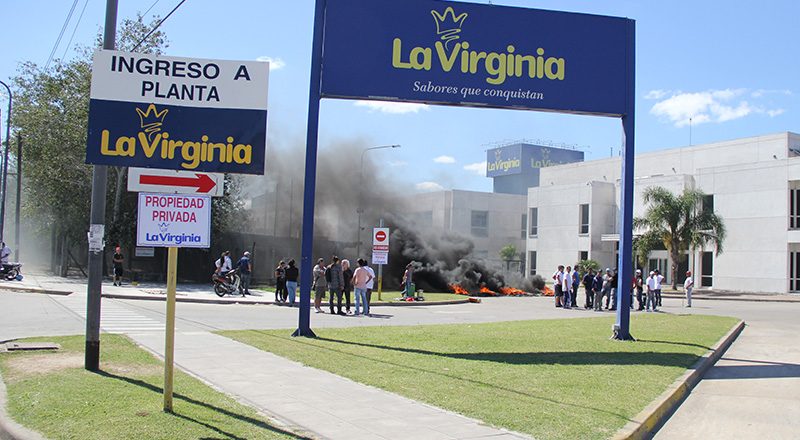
753, 184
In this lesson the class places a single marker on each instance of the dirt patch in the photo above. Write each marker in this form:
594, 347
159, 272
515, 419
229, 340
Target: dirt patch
128, 370
24, 366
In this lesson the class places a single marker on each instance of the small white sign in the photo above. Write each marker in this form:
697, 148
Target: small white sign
176, 182
95, 235
380, 257
380, 237
173, 220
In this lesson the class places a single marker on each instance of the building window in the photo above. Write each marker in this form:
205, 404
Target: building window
794, 205
583, 255
659, 264
480, 223
707, 269
532, 263
794, 271
708, 203
524, 226
533, 217
584, 219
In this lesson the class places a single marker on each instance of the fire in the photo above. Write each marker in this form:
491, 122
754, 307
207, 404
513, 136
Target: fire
511, 291
547, 291
458, 289
486, 291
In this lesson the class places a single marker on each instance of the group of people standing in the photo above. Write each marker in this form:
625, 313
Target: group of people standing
603, 284
337, 277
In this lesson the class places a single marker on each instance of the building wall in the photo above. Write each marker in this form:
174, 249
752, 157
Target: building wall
451, 211
749, 179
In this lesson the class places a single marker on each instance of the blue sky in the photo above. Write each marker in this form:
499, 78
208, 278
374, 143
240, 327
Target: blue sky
730, 65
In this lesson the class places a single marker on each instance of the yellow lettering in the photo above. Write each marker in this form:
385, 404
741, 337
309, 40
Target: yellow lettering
242, 153
104, 135
148, 147
445, 60
496, 66
191, 154
559, 65
125, 146
397, 49
424, 62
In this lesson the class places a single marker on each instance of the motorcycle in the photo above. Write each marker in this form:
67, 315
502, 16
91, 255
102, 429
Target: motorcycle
227, 283
11, 271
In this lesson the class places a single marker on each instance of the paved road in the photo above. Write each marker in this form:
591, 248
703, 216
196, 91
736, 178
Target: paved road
754, 391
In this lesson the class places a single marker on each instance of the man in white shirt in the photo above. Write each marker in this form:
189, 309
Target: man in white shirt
651, 292
566, 288
5, 253
659, 279
558, 279
688, 285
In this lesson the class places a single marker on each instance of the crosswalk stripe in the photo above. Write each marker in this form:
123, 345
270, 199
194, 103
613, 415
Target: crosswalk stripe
114, 318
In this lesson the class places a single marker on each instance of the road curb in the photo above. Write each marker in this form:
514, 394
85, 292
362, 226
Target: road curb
9, 429
643, 424
34, 290
728, 298
187, 299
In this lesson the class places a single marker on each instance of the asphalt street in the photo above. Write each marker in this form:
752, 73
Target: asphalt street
754, 391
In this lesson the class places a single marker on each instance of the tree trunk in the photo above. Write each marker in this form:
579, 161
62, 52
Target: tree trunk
121, 171
674, 267
64, 262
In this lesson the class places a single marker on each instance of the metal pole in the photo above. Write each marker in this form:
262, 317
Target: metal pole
94, 288
19, 197
622, 326
5, 164
309, 189
169, 339
380, 272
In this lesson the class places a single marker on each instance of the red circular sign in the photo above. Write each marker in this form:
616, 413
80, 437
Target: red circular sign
380, 236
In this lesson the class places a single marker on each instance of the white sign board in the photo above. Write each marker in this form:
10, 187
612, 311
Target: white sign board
95, 236
175, 182
144, 251
173, 220
379, 257
380, 239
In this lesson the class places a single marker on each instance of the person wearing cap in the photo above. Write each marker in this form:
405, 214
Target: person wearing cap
651, 292
688, 285
245, 270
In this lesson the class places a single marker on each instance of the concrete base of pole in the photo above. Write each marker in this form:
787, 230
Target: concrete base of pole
308, 333
617, 335
92, 359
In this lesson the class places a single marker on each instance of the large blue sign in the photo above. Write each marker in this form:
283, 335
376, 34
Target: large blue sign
525, 158
471, 54
177, 113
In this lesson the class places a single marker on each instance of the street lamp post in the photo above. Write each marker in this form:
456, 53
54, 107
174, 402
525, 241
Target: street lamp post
5, 165
360, 181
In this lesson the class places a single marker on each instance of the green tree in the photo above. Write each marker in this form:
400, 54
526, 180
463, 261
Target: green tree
680, 223
507, 254
584, 266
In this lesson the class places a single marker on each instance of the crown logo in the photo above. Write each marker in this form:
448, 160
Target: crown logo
163, 227
151, 120
497, 154
448, 25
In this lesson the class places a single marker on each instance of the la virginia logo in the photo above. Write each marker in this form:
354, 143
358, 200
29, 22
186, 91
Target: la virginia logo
496, 66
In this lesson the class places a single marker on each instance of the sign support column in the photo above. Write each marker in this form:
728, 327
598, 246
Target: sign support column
310, 183
622, 326
169, 344
97, 220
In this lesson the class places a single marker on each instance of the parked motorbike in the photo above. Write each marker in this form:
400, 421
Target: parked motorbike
11, 271
227, 283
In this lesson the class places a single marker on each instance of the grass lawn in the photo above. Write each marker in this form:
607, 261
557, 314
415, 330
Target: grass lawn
552, 379
50, 392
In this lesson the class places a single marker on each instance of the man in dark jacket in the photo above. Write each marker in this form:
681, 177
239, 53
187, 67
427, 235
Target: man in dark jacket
587, 289
336, 284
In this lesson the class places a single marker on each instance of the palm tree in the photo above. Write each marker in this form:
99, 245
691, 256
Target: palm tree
679, 222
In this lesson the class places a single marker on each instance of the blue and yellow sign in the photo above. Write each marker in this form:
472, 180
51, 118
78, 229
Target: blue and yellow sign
471, 54
177, 113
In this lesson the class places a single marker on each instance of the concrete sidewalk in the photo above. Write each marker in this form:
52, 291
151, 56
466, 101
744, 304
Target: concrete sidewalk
312, 401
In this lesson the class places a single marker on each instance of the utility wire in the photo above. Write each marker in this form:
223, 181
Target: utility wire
151, 7
60, 35
157, 26
75, 29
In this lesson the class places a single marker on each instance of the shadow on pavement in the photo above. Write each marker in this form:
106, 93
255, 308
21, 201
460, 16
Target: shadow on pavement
763, 370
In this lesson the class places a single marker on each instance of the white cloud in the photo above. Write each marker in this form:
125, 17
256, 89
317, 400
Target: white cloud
478, 168
761, 92
445, 159
656, 94
274, 63
776, 112
392, 107
702, 107
428, 186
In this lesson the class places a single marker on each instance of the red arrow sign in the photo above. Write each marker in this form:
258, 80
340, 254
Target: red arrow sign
202, 182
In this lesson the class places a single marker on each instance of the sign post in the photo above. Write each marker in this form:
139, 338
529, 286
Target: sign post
467, 54
169, 344
380, 252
